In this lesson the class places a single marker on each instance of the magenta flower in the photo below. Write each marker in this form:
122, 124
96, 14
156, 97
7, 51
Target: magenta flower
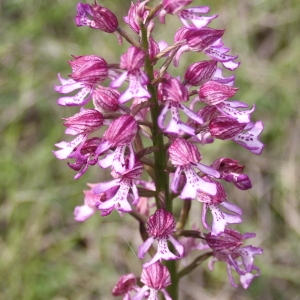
96, 16
227, 247
206, 40
156, 277
85, 156
161, 225
215, 94
119, 135
172, 93
87, 72
81, 124
126, 286
118, 190
244, 134
106, 99
231, 171
186, 156
132, 61
138, 12
192, 14
200, 72
213, 203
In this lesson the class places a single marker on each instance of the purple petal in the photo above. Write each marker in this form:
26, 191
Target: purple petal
178, 247
248, 254
208, 170
220, 219
145, 247
176, 180
118, 81
250, 140
104, 186
232, 207
78, 100
69, 147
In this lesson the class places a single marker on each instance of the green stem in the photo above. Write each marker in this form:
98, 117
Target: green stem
160, 159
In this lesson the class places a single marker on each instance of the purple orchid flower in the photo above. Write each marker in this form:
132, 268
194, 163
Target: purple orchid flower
227, 247
126, 286
87, 70
132, 61
186, 156
213, 203
172, 93
161, 225
156, 277
118, 190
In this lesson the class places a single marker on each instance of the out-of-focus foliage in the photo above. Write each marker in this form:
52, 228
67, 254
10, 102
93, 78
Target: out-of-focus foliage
45, 254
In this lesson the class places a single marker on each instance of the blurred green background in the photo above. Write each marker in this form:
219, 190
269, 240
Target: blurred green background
45, 254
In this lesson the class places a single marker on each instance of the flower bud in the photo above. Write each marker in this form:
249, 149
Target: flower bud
183, 153
213, 93
200, 72
89, 69
125, 284
160, 224
121, 131
106, 98
104, 19
156, 276
225, 128
86, 121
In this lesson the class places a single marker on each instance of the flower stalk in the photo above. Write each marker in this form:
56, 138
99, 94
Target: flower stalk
152, 137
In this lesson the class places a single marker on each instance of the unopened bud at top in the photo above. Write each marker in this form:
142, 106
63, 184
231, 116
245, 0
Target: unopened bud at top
104, 19
100, 17
89, 69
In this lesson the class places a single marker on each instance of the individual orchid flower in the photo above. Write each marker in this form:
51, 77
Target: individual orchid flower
231, 171
216, 94
160, 227
185, 157
97, 17
244, 134
90, 206
87, 70
81, 124
213, 203
172, 93
200, 72
192, 14
126, 287
156, 277
132, 61
85, 156
117, 191
136, 13
206, 40
227, 247
100, 17
119, 135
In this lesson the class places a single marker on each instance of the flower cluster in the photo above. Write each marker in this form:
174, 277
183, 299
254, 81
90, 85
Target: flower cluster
137, 101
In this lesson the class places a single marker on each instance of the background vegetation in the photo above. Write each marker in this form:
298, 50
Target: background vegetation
45, 254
